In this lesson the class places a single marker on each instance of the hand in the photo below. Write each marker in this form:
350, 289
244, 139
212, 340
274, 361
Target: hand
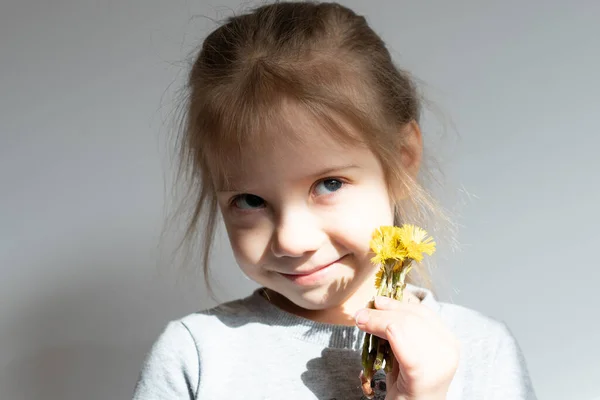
426, 352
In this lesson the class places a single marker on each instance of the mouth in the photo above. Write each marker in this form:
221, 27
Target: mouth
314, 276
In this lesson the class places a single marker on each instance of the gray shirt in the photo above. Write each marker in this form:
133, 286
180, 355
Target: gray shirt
250, 349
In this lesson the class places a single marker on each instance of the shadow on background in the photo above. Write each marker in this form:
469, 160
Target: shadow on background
86, 336
73, 372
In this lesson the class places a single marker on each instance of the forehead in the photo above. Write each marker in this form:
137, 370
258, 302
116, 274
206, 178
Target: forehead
293, 146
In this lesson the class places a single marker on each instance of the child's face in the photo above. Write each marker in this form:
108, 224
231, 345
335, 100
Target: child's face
299, 206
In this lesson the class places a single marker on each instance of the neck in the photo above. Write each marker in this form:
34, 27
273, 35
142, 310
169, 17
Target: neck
342, 314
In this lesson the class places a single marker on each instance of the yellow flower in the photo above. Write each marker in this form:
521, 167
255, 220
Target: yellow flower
386, 245
378, 278
415, 242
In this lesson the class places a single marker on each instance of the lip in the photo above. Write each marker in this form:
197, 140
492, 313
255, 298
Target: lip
313, 277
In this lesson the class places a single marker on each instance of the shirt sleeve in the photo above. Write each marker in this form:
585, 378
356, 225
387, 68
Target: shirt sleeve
509, 377
171, 369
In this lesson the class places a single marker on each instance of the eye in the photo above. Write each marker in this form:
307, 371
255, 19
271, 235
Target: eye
328, 186
247, 202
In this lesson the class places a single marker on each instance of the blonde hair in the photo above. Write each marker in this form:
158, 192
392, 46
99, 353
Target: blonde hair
326, 60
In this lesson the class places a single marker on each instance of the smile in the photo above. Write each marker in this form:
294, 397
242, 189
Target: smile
314, 277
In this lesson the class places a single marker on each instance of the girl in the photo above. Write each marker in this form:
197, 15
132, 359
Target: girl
303, 135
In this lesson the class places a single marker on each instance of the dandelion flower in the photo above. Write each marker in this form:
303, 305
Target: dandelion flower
415, 242
386, 245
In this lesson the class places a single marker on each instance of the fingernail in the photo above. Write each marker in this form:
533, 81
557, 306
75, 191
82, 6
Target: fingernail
382, 300
362, 317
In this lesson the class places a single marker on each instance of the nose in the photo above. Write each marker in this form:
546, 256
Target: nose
297, 233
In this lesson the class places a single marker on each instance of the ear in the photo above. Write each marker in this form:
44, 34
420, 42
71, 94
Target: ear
412, 148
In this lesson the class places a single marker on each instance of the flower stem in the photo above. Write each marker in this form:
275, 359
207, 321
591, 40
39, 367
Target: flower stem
378, 363
365, 349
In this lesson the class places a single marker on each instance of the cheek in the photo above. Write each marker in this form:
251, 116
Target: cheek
360, 217
248, 245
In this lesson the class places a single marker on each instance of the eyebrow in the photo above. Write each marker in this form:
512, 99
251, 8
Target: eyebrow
328, 171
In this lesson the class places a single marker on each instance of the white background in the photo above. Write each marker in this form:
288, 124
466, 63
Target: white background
87, 92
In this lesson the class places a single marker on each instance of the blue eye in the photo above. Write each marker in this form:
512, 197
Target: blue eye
328, 186
248, 202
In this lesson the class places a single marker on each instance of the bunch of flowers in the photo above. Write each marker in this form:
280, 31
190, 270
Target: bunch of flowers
395, 250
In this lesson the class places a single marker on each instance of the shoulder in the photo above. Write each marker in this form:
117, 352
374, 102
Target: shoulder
185, 329
490, 353
223, 317
184, 334
483, 338
468, 325
172, 367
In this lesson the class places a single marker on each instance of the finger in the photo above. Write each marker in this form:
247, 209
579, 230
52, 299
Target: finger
387, 303
392, 378
408, 341
378, 322
406, 331
409, 304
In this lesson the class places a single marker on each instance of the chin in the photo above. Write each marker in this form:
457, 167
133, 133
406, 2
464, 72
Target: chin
320, 293
322, 297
